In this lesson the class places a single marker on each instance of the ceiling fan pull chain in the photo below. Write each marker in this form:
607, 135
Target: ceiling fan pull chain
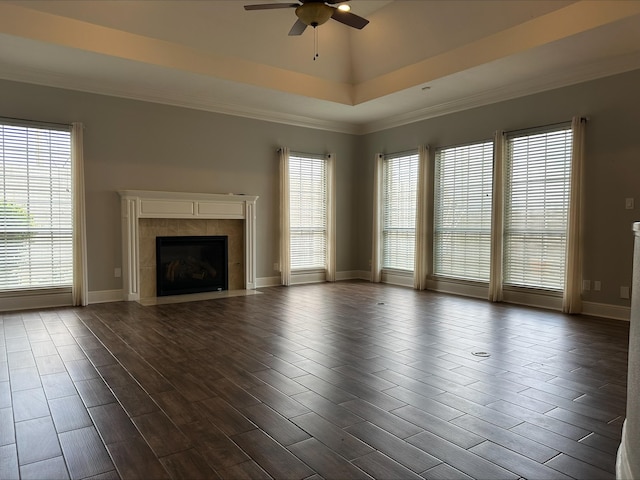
315, 44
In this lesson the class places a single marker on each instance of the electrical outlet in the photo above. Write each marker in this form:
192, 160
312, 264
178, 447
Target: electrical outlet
276, 267
597, 285
624, 292
586, 285
117, 272
628, 203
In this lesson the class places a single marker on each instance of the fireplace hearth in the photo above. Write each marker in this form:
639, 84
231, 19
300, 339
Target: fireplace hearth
191, 264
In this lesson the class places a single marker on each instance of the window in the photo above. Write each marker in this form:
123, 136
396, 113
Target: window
35, 207
462, 212
399, 193
536, 207
308, 201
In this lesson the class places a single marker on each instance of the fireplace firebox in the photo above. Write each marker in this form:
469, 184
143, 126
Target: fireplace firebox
191, 264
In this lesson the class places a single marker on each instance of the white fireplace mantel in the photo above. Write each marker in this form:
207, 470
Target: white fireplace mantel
138, 204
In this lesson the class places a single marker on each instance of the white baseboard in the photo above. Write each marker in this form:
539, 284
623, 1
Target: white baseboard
310, 277
444, 285
35, 300
353, 275
533, 299
299, 279
616, 312
57, 299
392, 278
268, 282
105, 296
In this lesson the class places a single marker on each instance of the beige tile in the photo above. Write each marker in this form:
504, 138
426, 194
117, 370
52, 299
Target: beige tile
147, 251
148, 282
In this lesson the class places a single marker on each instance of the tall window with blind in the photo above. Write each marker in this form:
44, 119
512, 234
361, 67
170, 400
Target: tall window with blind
35, 207
462, 211
399, 197
536, 207
308, 200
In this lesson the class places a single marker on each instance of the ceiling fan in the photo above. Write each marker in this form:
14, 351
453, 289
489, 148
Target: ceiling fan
315, 12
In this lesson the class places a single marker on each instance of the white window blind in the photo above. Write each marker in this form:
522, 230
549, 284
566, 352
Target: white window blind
462, 211
35, 207
536, 208
308, 211
400, 188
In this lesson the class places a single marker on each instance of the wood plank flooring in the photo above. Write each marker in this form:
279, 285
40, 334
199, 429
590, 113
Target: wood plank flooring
335, 381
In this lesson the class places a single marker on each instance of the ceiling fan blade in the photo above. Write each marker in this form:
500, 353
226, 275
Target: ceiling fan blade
297, 28
270, 6
350, 19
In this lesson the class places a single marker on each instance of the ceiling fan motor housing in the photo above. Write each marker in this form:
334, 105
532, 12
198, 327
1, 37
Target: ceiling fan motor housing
314, 13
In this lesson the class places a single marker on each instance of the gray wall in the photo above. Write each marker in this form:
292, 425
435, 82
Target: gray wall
138, 145
144, 146
612, 164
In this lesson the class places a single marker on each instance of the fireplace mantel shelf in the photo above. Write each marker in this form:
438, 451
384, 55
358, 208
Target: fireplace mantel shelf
138, 204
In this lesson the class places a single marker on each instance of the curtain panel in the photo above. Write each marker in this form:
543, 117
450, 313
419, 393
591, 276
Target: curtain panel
330, 275
571, 299
79, 289
285, 234
422, 250
376, 253
497, 217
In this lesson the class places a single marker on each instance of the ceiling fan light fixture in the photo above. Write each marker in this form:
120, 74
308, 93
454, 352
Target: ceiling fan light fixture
314, 13
344, 7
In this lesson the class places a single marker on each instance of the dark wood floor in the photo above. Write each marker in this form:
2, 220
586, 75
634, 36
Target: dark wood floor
335, 381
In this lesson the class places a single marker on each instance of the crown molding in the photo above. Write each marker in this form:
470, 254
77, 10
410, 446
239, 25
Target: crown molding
171, 98
585, 73
592, 71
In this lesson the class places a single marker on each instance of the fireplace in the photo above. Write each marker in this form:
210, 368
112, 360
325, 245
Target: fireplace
191, 264
148, 214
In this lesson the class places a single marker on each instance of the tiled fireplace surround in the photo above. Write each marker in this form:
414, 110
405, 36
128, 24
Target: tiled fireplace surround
146, 215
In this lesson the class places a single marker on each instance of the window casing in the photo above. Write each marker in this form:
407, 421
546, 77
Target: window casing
399, 197
462, 211
36, 223
308, 201
537, 187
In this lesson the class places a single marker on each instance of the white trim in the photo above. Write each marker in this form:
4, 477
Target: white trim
353, 275
532, 298
136, 204
301, 278
185, 99
397, 278
36, 300
616, 312
585, 73
263, 282
105, 296
467, 289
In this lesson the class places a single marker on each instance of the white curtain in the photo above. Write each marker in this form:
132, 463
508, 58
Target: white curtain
376, 254
422, 251
285, 237
571, 300
80, 288
331, 218
497, 217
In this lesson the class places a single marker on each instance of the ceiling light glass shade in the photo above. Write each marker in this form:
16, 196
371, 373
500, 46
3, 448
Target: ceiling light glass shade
314, 14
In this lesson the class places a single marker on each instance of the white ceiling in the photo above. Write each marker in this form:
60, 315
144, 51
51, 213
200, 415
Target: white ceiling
416, 59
